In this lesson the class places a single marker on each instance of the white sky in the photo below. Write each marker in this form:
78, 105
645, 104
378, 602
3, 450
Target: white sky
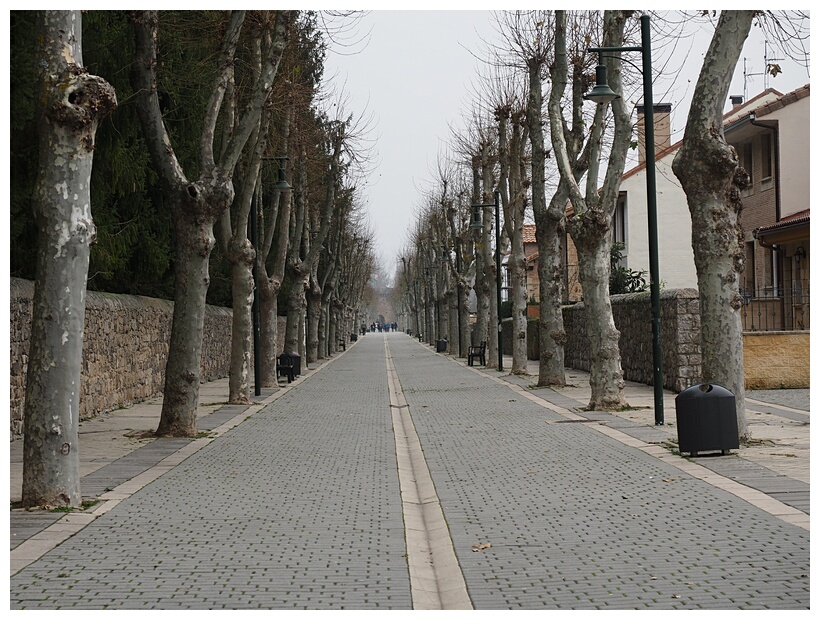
415, 76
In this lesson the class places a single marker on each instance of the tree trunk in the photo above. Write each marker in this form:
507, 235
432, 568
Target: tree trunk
194, 242
708, 171
269, 330
242, 291
296, 305
323, 352
314, 309
70, 104
452, 322
516, 262
549, 230
464, 291
605, 373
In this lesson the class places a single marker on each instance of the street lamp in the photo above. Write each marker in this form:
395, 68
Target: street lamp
603, 94
281, 185
478, 225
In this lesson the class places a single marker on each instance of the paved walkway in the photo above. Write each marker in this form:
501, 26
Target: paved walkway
392, 477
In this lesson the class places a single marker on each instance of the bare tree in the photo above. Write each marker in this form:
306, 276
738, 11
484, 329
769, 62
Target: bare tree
238, 248
70, 104
530, 37
196, 204
708, 170
590, 224
274, 229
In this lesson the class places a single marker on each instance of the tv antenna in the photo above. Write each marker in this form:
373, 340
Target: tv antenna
769, 70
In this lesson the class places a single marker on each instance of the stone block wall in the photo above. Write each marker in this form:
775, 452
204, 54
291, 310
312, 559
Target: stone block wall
772, 360
125, 346
680, 337
776, 360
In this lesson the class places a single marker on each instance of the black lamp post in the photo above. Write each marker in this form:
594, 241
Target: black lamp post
281, 185
603, 94
477, 224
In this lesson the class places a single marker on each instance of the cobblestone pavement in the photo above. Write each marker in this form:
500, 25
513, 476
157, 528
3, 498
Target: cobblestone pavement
299, 507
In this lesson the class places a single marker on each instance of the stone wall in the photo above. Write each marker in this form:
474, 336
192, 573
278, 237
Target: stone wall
776, 360
680, 337
125, 346
772, 360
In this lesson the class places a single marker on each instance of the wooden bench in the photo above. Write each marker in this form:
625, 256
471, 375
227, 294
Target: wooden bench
284, 367
477, 352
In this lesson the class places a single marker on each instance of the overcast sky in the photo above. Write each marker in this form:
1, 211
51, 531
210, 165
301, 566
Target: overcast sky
416, 76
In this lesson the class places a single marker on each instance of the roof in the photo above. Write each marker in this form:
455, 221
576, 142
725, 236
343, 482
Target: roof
794, 220
744, 110
782, 102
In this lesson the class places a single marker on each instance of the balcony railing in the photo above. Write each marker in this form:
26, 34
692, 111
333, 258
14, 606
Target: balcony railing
776, 309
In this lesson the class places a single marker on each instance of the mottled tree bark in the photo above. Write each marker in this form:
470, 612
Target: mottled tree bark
590, 223
512, 199
70, 104
708, 170
197, 204
549, 230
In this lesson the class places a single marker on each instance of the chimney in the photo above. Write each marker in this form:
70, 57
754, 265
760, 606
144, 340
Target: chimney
663, 133
736, 100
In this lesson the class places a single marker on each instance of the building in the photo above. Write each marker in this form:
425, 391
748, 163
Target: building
771, 135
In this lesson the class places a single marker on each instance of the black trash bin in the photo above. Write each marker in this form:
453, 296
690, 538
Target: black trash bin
354, 337
707, 419
297, 364
441, 346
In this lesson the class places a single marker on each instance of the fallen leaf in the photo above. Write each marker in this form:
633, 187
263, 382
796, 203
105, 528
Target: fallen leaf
481, 547
669, 479
675, 596
624, 496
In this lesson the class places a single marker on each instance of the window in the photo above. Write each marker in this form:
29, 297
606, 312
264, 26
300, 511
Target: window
746, 159
766, 156
619, 225
771, 274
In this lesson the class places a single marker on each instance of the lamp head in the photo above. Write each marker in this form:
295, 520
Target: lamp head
282, 184
602, 93
476, 223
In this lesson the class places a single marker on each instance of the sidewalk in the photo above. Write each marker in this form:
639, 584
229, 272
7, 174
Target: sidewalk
118, 461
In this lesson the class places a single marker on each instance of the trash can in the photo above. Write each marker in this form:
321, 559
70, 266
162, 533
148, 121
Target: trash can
354, 337
297, 364
707, 419
441, 346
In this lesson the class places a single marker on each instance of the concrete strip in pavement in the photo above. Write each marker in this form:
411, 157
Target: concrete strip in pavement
436, 581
